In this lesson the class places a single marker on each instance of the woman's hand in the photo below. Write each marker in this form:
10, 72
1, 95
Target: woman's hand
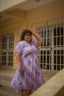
21, 69
40, 39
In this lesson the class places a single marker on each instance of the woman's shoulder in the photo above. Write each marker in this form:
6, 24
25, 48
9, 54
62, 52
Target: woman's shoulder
21, 43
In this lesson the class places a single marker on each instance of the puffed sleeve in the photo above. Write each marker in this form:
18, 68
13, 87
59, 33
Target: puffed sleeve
35, 42
19, 47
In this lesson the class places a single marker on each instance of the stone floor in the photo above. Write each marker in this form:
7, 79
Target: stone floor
6, 76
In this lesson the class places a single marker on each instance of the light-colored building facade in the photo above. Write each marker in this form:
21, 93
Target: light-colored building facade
47, 19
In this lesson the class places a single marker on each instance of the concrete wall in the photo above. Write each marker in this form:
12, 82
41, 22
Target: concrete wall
49, 14
9, 3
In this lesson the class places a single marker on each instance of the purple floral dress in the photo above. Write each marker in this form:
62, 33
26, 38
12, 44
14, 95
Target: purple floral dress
32, 77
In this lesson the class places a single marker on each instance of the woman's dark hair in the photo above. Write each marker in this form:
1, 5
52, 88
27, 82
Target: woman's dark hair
24, 33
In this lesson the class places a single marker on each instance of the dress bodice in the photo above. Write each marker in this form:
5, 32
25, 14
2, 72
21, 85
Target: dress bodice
24, 48
27, 50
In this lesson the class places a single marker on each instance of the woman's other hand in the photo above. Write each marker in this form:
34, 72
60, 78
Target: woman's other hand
21, 69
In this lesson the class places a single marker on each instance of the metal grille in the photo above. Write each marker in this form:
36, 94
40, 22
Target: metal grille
6, 48
51, 52
58, 47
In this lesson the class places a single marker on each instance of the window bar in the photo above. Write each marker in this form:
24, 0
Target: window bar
52, 49
60, 47
43, 51
46, 49
49, 48
7, 49
40, 50
63, 45
43, 37
56, 48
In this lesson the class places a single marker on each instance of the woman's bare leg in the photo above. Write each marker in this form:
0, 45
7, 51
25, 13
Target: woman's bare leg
26, 92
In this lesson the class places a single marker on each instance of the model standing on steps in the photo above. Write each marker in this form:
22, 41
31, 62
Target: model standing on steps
28, 75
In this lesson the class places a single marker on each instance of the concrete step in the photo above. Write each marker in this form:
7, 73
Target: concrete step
5, 85
7, 93
48, 75
8, 76
5, 80
6, 89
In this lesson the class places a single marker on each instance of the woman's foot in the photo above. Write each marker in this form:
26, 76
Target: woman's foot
26, 92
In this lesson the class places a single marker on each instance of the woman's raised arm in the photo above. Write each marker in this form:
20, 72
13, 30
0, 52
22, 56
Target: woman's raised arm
40, 39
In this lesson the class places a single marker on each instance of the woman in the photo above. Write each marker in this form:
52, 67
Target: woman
28, 74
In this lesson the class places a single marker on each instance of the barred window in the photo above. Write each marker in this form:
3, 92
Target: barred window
7, 43
51, 51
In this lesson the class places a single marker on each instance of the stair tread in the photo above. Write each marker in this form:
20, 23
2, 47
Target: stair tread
5, 85
7, 74
4, 82
7, 93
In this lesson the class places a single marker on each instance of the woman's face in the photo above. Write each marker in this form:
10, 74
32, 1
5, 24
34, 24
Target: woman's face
28, 37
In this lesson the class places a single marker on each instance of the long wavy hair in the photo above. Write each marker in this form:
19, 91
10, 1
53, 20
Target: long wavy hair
24, 33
